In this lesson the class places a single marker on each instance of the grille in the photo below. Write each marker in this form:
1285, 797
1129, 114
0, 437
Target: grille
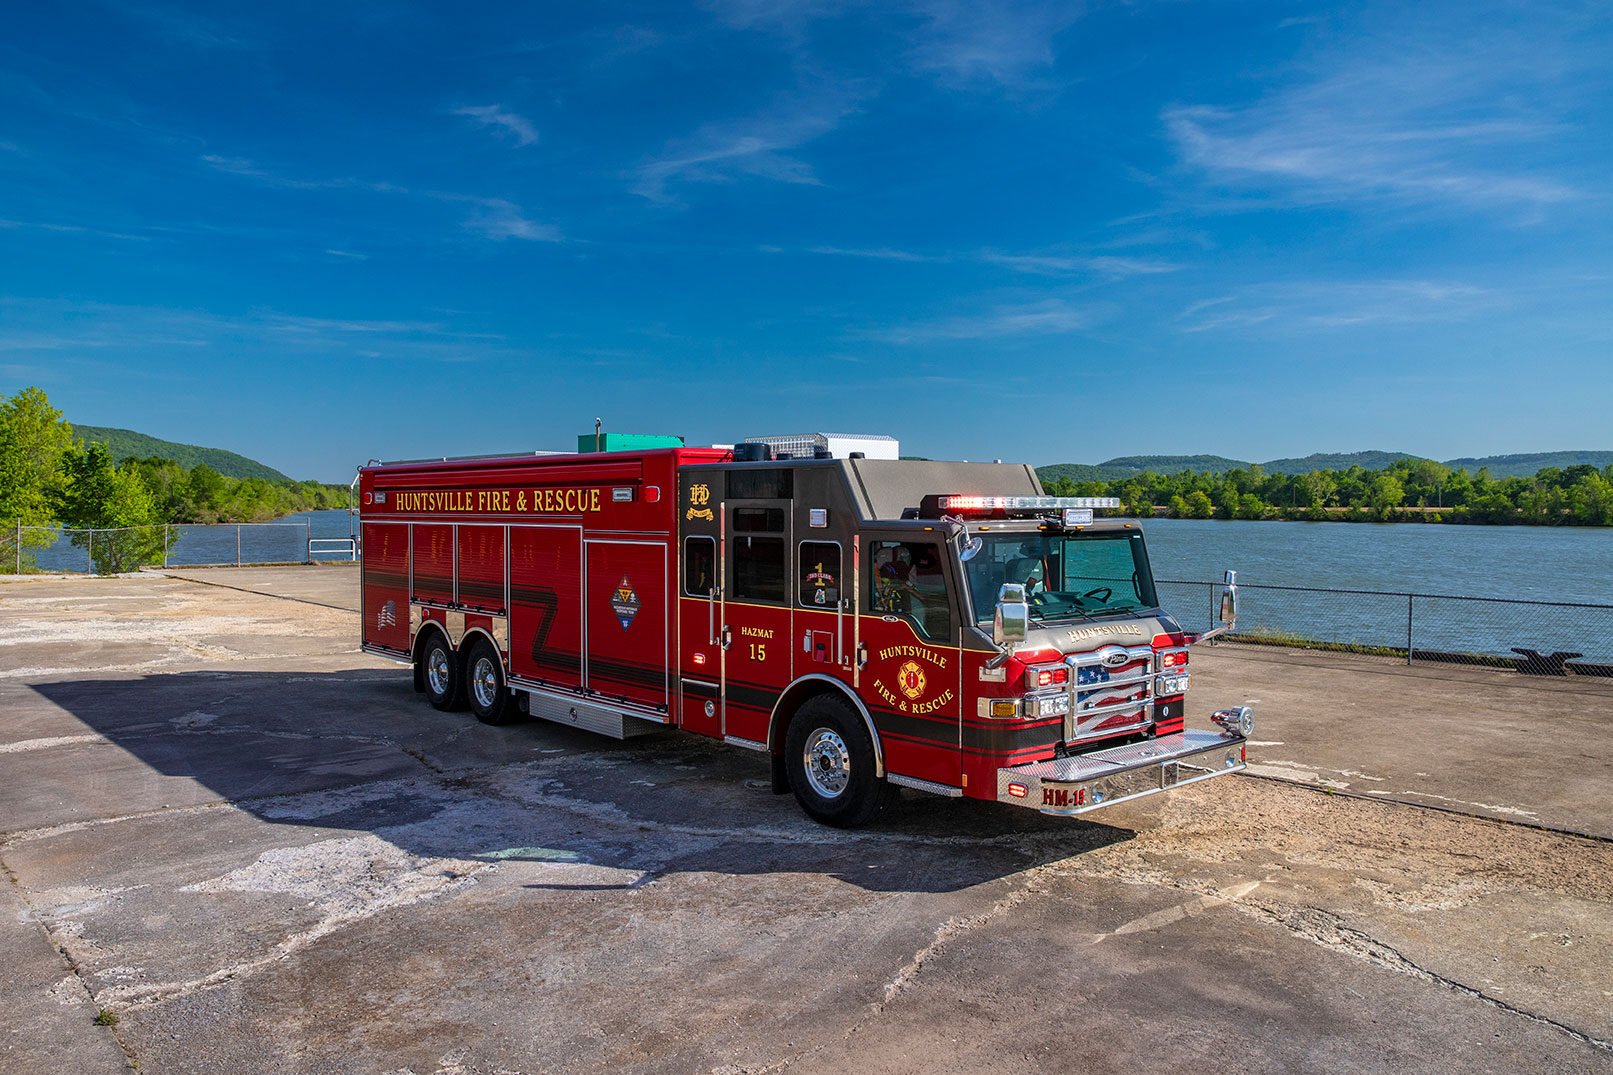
1111, 691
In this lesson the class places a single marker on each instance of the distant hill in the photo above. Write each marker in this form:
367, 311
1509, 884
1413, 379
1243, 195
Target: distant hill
1336, 461
1500, 466
1129, 466
1521, 466
127, 444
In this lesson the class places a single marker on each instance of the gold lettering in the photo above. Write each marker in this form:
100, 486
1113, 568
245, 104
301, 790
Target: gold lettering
593, 501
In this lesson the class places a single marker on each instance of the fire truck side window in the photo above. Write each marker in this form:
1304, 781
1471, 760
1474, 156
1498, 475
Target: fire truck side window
758, 554
699, 566
818, 574
908, 580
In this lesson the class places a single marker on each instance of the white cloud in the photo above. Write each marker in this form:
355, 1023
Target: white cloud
756, 146
498, 218
1050, 317
498, 118
1416, 115
882, 253
971, 41
1327, 305
1101, 265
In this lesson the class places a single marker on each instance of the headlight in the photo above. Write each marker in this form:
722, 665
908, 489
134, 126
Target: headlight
1048, 705
1166, 686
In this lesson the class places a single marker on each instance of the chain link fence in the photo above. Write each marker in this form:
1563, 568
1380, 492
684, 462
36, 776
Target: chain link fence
68, 550
1537, 637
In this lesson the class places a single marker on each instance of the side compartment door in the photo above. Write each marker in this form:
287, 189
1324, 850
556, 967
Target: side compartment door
626, 621
384, 593
546, 634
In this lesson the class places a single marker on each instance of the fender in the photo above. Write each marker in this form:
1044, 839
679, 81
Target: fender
774, 730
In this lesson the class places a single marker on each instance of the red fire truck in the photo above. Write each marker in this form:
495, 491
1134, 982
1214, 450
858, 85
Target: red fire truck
867, 623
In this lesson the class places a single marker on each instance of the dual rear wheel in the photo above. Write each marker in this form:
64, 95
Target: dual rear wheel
474, 676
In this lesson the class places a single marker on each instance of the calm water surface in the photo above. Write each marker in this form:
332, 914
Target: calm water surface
1530, 562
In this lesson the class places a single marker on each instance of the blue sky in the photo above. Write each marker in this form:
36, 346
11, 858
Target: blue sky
1040, 232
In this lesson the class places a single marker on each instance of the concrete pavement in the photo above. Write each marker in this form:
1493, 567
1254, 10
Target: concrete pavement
263, 852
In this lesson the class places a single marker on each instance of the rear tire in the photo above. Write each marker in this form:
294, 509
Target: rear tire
829, 757
441, 674
489, 697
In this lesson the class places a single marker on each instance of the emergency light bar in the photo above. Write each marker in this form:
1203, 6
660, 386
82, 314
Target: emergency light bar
1023, 503
934, 506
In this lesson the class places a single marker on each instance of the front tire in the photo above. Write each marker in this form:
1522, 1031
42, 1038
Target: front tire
829, 757
489, 698
441, 674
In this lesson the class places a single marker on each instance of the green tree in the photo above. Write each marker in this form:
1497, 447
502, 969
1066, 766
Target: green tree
1384, 494
33, 439
113, 510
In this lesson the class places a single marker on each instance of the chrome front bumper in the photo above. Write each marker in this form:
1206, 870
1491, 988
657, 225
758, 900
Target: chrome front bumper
1075, 785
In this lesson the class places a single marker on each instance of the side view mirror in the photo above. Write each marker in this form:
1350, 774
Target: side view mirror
1013, 618
1229, 599
971, 549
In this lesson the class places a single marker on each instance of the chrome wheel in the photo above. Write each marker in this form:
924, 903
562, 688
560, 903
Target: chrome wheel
484, 682
827, 763
438, 674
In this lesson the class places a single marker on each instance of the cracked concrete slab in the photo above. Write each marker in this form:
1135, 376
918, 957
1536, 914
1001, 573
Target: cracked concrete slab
275, 857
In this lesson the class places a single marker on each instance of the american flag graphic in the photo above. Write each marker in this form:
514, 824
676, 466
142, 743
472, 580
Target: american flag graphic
387, 616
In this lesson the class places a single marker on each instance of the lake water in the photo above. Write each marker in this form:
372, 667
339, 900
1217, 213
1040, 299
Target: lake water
282, 541
1513, 563
1529, 562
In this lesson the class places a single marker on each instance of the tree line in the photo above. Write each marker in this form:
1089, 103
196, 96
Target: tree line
1409, 490
49, 477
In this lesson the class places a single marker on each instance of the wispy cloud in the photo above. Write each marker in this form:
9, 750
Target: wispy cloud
495, 218
997, 41
1417, 116
963, 43
1050, 317
1101, 265
64, 328
881, 253
1323, 306
73, 229
1038, 264
758, 146
347, 254
499, 218
500, 119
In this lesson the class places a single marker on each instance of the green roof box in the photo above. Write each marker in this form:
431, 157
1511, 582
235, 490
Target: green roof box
626, 442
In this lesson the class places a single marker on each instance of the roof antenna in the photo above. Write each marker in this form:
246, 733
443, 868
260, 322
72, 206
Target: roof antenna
598, 437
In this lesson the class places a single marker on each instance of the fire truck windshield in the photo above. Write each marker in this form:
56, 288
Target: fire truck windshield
1066, 576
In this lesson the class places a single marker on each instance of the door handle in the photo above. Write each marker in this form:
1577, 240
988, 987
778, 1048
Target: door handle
862, 655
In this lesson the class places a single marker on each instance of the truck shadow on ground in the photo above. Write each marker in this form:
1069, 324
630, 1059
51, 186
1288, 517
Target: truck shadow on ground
359, 751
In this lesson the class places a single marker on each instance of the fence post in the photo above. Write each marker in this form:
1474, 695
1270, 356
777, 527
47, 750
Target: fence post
237, 544
19, 544
310, 530
165, 545
89, 566
1408, 629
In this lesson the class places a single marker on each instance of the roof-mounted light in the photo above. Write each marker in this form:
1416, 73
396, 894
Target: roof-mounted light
935, 505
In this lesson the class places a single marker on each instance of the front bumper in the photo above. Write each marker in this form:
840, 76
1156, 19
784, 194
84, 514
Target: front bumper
1076, 785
